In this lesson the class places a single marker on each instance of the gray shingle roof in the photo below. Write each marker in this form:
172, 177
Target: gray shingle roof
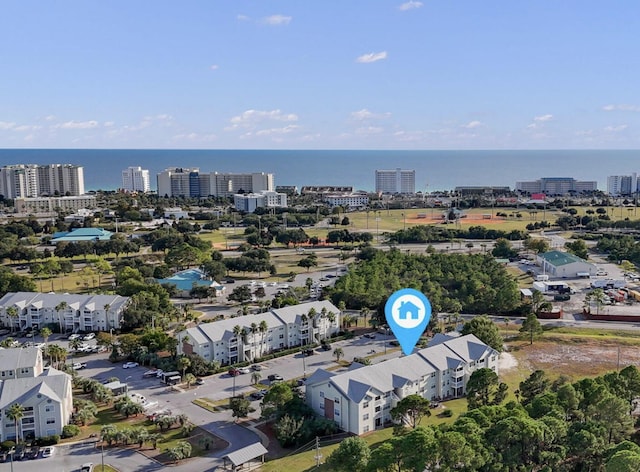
394, 373
52, 384
18, 358
51, 300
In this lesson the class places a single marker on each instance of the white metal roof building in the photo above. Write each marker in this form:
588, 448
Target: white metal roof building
360, 400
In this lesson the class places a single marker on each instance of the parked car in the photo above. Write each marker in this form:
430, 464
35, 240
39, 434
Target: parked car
87, 467
229, 281
48, 451
73, 336
370, 335
199, 381
151, 373
308, 352
79, 365
129, 365
234, 372
256, 367
275, 378
244, 370
256, 396
89, 336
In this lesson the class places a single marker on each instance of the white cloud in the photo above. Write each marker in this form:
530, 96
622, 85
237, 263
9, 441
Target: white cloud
367, 130
364, 114
77, 124
532, 126
243, 18
614, 129
277, 20
285, 130
4, 125
50, 118
372, 57
543, 118
214, 67
251, 118
410, 5
621, 107
108, 124
26, 128
195, 137
473, 124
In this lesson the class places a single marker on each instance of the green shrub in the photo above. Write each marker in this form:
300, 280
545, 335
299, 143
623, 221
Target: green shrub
447, 413
48, 440
70, 430
7, 445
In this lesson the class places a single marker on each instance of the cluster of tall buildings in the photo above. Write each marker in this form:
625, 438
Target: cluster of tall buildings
622, 184
34, 180
182, 181
557, 186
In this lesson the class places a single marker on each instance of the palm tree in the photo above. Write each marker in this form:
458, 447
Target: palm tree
189, 379
107, 308
15, 414
338, 353
255, 378
263, 327
45, 333
183, 364
365, 312
61, 307
237, 331
12, 312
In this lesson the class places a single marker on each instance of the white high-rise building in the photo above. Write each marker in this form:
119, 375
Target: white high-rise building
33, 180
396, 181
135, 179
622, 184
192, 183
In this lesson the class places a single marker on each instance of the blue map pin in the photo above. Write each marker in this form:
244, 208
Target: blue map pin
408, 312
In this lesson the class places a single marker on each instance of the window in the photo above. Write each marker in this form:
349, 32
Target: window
281, 336
337, 400
366, 405
366, 429
378, 409
377, 397
336, 412
48, 408
322, 405
51, 420
365, 417
321, 394
27, 421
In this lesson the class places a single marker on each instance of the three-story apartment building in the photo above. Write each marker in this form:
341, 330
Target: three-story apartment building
361, 399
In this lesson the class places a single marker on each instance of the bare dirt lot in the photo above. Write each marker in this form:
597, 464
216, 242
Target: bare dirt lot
572, 356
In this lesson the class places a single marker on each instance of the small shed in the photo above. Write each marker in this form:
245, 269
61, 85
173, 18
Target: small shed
245, 456
117, 387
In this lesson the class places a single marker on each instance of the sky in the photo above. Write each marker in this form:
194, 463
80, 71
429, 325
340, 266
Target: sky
330, 74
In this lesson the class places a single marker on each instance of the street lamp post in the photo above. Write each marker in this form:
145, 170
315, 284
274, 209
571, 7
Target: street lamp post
304, 366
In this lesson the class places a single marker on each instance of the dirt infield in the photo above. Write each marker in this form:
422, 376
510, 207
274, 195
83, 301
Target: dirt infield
470, 220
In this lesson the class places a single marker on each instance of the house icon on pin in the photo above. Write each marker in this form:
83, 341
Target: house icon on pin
408, 309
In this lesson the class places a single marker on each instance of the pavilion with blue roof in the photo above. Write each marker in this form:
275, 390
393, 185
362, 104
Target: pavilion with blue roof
82, 234
187, 279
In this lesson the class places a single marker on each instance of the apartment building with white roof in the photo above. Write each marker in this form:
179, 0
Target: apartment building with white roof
246, 338
361, 399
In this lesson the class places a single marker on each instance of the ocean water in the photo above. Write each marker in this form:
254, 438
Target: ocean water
435, 170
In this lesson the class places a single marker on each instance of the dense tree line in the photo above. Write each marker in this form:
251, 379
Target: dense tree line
453, 282
620, 248
553, 426
430, 234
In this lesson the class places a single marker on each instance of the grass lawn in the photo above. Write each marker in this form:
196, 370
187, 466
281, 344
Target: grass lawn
106, 468
306, 460
107, 415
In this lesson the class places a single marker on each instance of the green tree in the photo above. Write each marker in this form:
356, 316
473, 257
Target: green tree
15, 413
410, 410
338, 353
531, 327
577, 248
275, 399
536, 384
240, 407
183, 364
484, 388
485, 330
255, 377
351, 456
189, 379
